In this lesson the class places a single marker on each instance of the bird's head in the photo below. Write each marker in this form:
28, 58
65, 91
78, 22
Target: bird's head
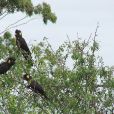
11, 60
27, 77
18, 33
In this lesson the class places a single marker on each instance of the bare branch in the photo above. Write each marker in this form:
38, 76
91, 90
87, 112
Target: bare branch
3, 13
3, 16
96, 31
16, 22
89, 38
10, 26
22, 23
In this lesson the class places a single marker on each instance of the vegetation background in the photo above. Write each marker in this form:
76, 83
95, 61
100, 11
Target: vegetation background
84, 88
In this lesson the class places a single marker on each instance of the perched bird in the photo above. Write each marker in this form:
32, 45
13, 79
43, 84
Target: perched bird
34, 86
22, 45
5, 66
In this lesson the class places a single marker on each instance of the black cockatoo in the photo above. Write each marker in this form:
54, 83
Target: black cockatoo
5, 66
22, 45
34, 86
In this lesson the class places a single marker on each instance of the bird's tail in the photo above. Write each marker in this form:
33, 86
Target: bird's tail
28, 57
46, 97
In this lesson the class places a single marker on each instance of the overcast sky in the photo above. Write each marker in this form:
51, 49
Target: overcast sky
74, 16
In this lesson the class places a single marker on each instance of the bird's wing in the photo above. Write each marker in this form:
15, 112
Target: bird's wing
36, 86
3, 67
23, 44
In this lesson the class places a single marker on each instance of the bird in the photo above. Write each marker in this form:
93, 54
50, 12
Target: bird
5, 66
34, 85
22, 45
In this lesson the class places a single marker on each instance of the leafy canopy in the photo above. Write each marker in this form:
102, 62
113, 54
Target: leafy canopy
85, 87
26, 6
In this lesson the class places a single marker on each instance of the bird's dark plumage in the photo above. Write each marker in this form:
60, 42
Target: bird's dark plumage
5, 66
34, 86
22, 45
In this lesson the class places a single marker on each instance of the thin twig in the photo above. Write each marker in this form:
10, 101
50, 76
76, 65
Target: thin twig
89, 38
96, 31
3, 16
16, 22
22, 23
94, 39
49, 45
3, 13
68, 39
17, 25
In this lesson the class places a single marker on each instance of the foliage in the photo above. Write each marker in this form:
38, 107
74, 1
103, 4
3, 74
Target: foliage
26, 6
84, 87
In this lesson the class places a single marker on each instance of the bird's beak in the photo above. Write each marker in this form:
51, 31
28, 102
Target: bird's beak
9, 61
20, 34
28, 76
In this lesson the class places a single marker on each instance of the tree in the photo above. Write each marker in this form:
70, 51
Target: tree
25, 6
85, 87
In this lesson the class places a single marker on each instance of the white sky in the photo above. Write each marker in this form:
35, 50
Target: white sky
74, 16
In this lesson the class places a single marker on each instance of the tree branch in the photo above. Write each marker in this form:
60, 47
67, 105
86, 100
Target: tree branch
96, 31
16, 22
3, 13
3, 16
10, 26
